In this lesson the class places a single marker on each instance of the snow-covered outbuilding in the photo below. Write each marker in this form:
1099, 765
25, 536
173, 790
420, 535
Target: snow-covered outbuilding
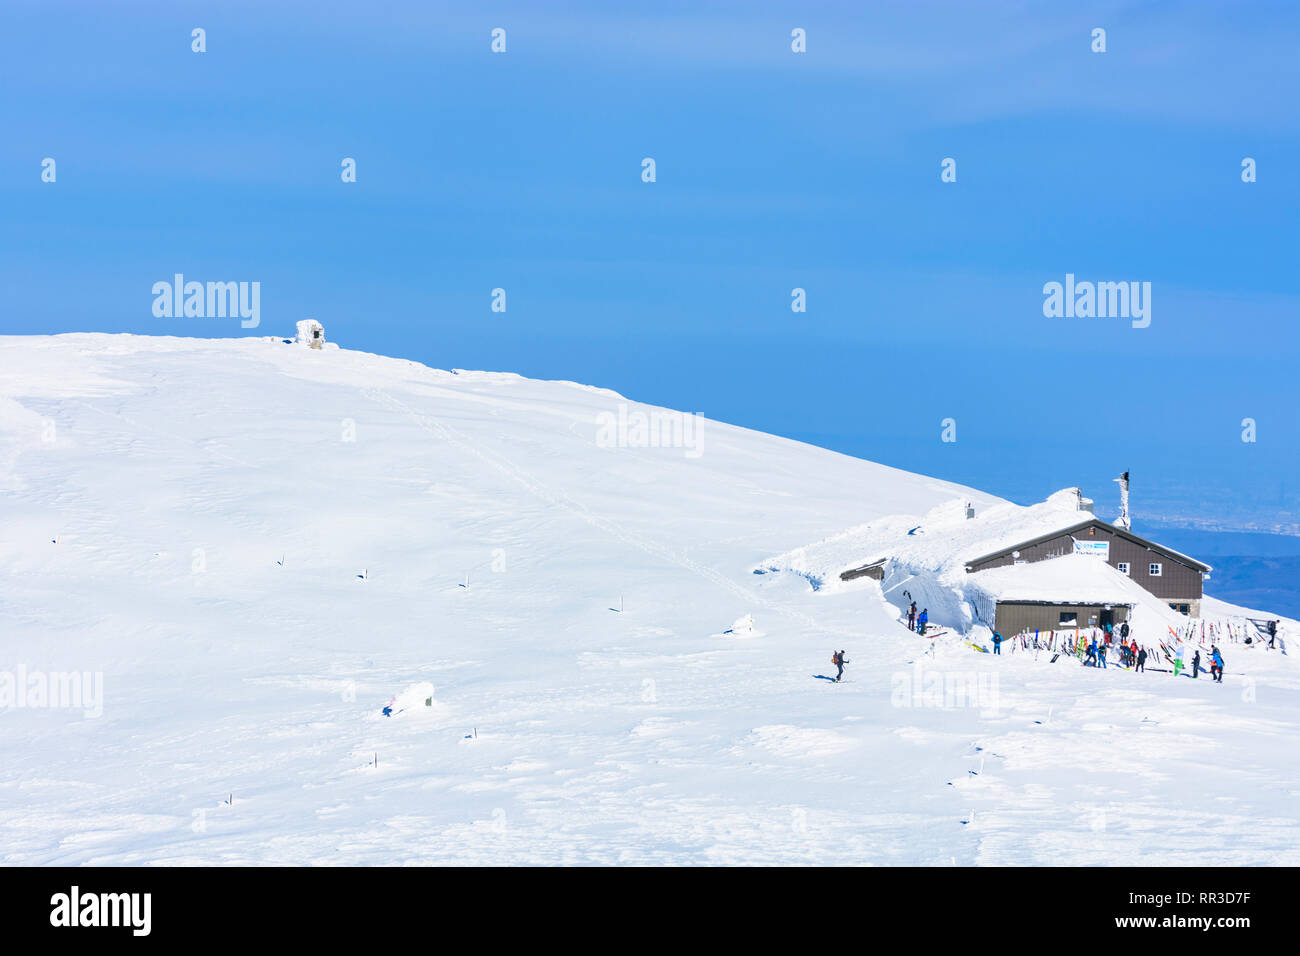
1075, 590
311, 333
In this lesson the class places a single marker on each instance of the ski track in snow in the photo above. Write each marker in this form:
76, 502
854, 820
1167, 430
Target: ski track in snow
241, 716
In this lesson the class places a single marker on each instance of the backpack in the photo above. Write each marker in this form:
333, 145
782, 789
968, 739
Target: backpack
835, 658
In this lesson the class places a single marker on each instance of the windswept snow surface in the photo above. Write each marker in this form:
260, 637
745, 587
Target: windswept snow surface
257, 546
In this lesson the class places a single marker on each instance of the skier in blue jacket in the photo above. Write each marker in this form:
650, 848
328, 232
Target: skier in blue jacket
997, 643
1218, 663
922, 621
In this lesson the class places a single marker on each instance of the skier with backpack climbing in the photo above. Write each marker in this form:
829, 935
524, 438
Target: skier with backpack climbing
1216, 669
839, 660
911, 617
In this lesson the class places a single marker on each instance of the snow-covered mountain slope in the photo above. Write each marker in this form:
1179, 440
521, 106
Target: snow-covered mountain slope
257, 546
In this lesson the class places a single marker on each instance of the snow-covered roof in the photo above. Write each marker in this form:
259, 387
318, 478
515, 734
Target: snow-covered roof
943, 542
1070, 579
946, 539
940, 542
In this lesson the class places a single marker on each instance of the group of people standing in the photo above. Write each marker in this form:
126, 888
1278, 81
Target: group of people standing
1130, 655
1094, 652
1216, 664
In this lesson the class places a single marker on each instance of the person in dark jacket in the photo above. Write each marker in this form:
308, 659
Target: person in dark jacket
1123, 629
911, 617
1196, 664
839, 660
1142, 659
1272, 633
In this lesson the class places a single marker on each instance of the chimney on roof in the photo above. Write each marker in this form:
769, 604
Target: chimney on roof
970, 511
1123, 521
1082, 503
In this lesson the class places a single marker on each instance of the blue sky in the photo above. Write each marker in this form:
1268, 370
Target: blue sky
774, 170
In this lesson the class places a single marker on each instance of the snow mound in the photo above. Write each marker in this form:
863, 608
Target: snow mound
417, 697
743, 627
784, 740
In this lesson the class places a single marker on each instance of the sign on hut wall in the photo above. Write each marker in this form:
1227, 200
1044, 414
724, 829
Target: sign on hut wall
1096, 549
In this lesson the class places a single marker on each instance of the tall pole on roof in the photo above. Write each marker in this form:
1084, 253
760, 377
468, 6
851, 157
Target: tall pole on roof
1123, 521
